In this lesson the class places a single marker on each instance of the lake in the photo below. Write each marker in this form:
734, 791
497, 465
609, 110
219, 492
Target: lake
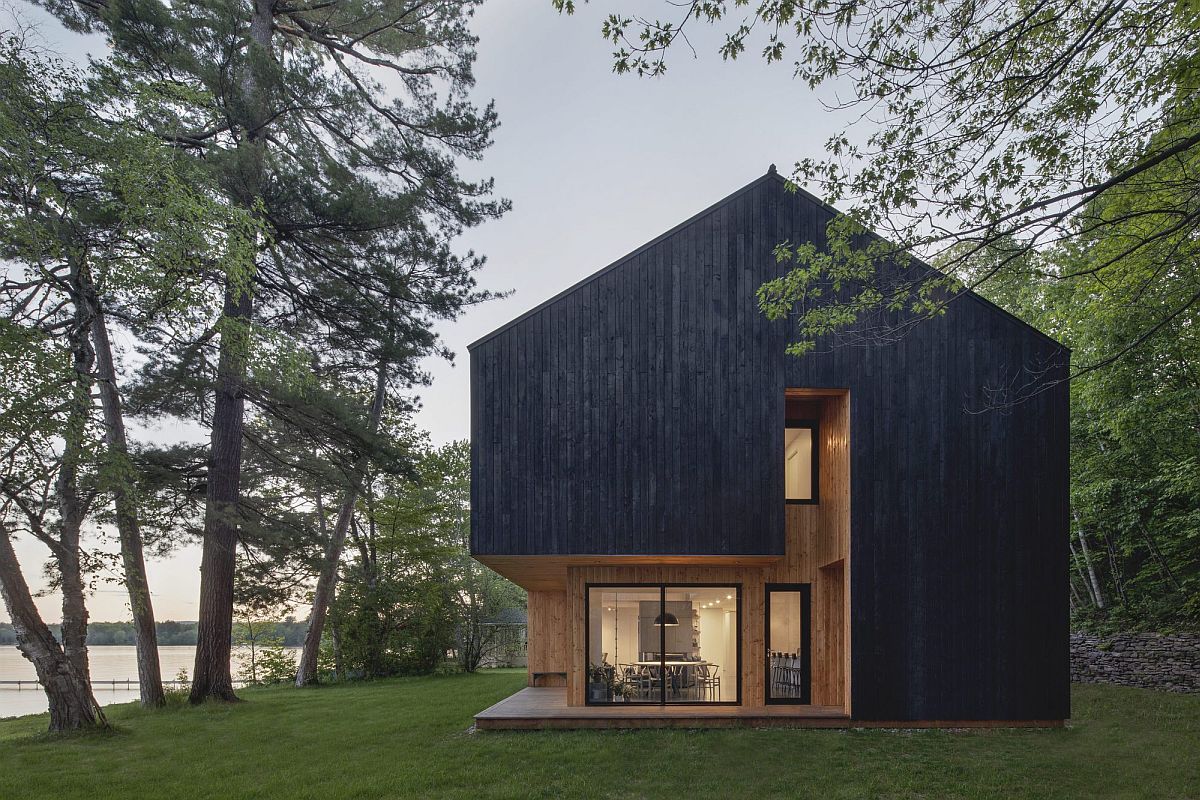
107, 664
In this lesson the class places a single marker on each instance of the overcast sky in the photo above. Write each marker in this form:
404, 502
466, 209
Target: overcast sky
596, 164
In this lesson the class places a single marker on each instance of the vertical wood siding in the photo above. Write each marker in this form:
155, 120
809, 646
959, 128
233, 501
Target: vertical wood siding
642, 413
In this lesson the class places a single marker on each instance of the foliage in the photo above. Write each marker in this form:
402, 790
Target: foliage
336, 134
1135, 475
267, 663
179, 690
93, 211
972, 124
399, 625
264, 658
344, 741
411, 592
435, 509
356, 184
276, 664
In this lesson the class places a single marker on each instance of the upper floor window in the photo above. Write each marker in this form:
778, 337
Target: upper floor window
800, 461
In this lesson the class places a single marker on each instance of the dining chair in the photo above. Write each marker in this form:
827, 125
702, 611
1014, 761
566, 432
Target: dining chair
708, 681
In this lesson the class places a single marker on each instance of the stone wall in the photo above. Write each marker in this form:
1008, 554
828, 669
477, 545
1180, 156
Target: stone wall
1148, 660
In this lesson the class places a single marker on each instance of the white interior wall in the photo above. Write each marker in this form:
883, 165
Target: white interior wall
618, 634
785, 622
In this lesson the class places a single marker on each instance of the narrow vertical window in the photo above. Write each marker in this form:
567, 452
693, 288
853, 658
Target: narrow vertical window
800, 462
789, 659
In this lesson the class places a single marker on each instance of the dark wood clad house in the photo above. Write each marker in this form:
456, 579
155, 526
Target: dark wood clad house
712, 531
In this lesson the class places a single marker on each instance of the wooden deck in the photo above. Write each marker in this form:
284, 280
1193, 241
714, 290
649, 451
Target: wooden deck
538, 708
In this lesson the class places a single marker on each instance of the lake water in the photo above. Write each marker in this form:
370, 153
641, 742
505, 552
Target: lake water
113, 663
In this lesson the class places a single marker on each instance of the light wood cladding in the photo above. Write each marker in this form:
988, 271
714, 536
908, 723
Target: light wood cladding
829, 636
817, 553
549, 573
548, 649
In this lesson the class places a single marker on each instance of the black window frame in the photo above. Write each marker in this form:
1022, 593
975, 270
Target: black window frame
805, 590
814, 426
662, 646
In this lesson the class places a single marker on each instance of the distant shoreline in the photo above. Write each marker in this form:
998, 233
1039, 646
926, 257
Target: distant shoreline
180, 633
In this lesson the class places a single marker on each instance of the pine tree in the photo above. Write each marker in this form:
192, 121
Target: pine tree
325, 123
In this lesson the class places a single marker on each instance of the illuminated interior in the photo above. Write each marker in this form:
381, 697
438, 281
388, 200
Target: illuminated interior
662, 644
799, 463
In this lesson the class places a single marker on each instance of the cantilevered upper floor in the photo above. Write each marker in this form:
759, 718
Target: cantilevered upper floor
641, 411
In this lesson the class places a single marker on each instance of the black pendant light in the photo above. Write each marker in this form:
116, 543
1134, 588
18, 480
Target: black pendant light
668, 619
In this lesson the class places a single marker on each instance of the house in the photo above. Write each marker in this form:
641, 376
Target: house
714, 532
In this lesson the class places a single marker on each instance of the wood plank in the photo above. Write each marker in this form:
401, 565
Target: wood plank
549, 573
548, 628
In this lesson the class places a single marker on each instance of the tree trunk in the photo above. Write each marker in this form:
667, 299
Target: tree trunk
136, 582
1114, 569
1087, 559
68, 693
327, 581
71, 507
335, 635
212, 677
1076, 600
1079, 571
1163, 566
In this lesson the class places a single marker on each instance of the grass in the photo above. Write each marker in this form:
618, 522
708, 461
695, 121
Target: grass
409, 738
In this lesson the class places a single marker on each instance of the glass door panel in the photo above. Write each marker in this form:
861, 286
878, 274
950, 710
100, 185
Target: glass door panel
789, 659
700, 653
623, 652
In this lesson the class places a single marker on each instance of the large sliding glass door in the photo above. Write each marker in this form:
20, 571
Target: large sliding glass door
663, 643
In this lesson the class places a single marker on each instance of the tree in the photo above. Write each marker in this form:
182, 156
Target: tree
137, 585
977, 123
478, 594
33, 400
1136, 423
327, 578
265, 659
285, 104
69, 693
96, 216
1135, 486
421, 531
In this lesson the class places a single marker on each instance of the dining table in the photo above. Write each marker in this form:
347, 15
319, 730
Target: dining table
674, 670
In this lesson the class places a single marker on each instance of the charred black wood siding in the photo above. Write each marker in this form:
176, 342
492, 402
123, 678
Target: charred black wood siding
641, 412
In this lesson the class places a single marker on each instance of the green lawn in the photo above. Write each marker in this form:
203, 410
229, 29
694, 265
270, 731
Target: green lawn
408, 738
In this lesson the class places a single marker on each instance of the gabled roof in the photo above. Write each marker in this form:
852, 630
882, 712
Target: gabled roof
771, 175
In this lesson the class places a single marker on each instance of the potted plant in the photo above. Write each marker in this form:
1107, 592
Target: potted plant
600, 683
618, 688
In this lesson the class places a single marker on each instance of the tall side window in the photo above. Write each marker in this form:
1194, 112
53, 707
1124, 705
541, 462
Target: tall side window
789, 659
801, 464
